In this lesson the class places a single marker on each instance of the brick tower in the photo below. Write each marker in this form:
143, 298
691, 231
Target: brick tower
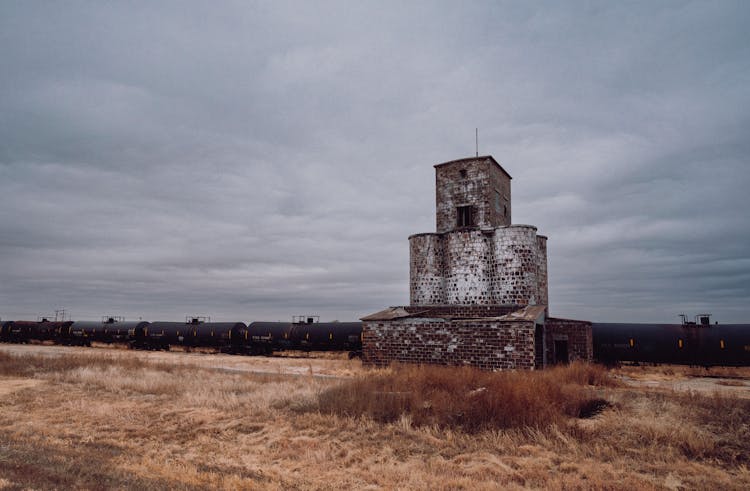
477, 257
478, 285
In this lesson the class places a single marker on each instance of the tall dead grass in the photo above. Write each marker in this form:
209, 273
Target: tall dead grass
471, 399
726, 418
152, 425
684, 371
28, 365
718, 372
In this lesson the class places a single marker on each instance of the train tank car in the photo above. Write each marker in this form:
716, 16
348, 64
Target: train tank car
267, 337
109, 330
26, 331
699, 344
304, 333
727, 345
230, 337
4, 328
157, 335
194, 332
330, 336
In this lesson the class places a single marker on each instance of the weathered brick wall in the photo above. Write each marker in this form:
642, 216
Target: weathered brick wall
500, 197
461, 311
426, 277
485, 187
543, 286
485, 344
468, 273
515, 265
507, 265
576, 333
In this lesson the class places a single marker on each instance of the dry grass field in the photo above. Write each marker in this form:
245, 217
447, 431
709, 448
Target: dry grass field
93, 419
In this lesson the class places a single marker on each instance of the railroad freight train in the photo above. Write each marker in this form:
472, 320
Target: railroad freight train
697, 343
228, 337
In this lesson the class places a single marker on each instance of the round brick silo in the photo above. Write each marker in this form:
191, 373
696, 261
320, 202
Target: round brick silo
467, 269
543, 283
516, 264
426, 282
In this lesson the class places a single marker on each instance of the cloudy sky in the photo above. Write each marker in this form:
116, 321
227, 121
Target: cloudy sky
260, 160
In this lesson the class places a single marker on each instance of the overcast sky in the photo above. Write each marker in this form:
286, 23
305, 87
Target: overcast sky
253, 161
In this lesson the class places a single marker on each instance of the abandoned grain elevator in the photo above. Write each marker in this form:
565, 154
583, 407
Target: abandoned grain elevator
478, 285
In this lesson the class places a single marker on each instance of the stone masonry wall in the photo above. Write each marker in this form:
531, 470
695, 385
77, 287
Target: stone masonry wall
461, 311
515, 265
576, 333
483, 343
502, 266
500, 199
542, 278
483, 185
467, 273
427, 285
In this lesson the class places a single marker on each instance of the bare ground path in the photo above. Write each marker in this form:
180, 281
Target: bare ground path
732, 381
316, 364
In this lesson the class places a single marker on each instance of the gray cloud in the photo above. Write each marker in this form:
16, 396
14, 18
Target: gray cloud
255, 161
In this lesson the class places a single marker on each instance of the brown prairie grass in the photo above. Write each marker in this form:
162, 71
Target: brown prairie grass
30, 365
471, 399
731, 383
96, 422
669, 426
718, 372
684, 371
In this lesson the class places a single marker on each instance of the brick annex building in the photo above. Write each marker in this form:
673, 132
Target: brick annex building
478, 285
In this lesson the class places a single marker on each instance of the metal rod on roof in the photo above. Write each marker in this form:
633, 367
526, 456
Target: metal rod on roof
476, 139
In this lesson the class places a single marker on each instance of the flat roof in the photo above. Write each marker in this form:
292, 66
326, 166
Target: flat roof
530, 313
470, 159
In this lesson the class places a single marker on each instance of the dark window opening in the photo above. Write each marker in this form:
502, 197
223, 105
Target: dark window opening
463, 173
465, 216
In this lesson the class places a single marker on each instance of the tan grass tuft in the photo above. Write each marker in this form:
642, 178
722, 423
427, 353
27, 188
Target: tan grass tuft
468, 398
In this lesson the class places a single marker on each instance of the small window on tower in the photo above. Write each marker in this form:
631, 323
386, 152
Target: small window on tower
465, 216
463, 173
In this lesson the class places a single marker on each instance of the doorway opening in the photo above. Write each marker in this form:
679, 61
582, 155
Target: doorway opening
561, 351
